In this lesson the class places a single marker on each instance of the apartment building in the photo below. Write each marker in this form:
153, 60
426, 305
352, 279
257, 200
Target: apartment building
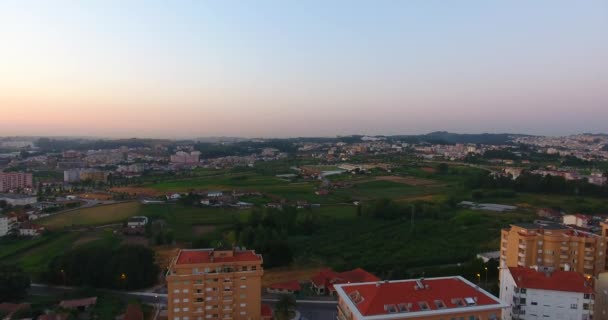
215, 284
8, 224
421, 299
553, 245
15, 180
541, 293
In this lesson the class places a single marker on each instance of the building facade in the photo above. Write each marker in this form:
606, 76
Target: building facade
8, 224
15, 180
421, 299
546, 294
555, 246
215, 284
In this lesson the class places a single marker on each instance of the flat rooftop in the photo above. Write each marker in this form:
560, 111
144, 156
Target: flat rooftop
197, 256
546, 226
416, 297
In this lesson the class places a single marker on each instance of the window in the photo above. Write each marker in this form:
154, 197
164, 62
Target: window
253, 268
199, 299
522, 290
185, 290
587, 296
176, 300
243, 304
186, 300
176, 291
534, 303
573, 306
199, 290
175, 318
176, 310
199, 281
185, 310
585, 306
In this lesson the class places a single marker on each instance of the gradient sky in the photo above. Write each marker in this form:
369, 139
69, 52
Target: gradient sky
302, 68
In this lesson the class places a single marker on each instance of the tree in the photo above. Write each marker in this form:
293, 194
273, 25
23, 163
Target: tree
14, 283
285, 307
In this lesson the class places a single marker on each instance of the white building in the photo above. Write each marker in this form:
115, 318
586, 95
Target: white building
7, 224
27, 229
71, 175
545, 294
578, 220
15, 199
137, 221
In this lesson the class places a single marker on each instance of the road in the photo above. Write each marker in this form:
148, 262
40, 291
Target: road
310, 309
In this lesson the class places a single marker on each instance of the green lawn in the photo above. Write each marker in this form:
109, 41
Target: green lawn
92, 216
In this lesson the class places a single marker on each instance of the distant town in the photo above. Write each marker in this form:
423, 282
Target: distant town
434, 226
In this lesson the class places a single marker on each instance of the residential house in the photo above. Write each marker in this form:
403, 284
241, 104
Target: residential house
289, 287
78, 304
324, 281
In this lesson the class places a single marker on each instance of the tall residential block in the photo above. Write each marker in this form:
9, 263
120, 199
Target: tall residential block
420, 299
555, 246
215, 284
15, 180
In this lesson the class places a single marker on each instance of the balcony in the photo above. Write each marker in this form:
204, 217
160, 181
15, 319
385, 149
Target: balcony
589, 258
563, 256
522, 246
589, 249
521, 254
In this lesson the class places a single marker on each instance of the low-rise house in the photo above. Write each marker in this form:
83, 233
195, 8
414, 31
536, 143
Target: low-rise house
289, 287
8, 309
53, 316
28, 229
578, 220
215, 194
78, 304
549, 213
323, 282
174, 196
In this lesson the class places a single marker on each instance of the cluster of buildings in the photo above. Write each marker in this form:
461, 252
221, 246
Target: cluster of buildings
15, 224
582, 146
78, 175
68, 309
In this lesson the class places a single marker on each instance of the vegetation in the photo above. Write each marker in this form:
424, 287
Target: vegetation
285, 307
126, 267
14, 283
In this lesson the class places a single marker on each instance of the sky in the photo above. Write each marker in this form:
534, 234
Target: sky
286, 68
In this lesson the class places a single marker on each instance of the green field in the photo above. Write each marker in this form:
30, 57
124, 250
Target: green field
92, 216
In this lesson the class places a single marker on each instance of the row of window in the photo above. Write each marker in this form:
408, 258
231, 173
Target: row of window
209, 316
226, 289
209, 280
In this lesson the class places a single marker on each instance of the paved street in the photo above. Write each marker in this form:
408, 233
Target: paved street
310, 309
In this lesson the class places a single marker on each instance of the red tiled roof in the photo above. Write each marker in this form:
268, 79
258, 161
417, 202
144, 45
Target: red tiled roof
205, 256
375, 297
71, 304
53, 316
327, 278
266, 311
134, 313
557, 280
10, 308
290, 285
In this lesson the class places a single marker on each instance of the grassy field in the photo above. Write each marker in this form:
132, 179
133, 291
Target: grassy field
92, 216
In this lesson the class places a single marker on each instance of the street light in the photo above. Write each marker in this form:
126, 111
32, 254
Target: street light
478, 279
486, 268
